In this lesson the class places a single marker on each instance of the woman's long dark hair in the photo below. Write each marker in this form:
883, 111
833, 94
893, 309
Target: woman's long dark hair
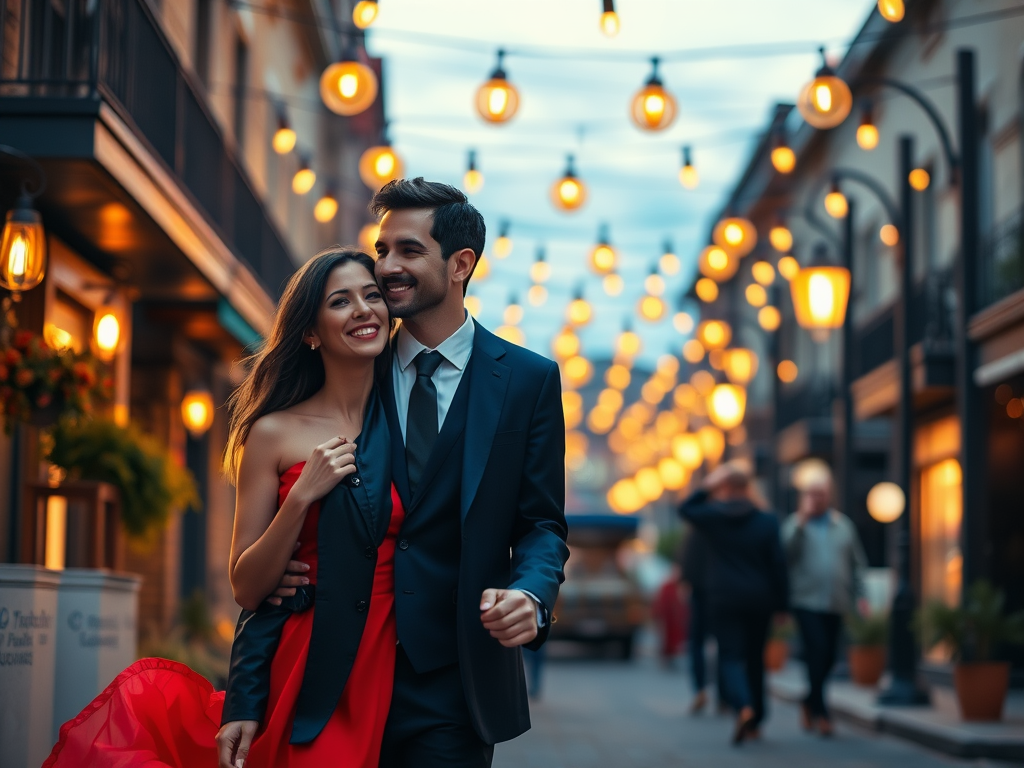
285, 371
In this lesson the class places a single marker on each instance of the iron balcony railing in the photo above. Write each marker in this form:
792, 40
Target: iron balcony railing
1001, 261
115, 50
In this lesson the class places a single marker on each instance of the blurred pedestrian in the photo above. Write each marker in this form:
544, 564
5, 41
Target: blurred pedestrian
694, 569
746, 584
670, 614
826, 565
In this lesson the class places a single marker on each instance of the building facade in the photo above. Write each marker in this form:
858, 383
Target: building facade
965, 300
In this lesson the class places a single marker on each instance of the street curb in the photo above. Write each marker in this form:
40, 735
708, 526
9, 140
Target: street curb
975, 740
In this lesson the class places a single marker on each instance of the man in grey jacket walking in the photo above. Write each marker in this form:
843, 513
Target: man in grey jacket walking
826, 564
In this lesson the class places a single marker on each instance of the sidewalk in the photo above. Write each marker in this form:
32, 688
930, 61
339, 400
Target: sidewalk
938, 726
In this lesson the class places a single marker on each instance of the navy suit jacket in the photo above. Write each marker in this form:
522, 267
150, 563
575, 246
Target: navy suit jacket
512, 514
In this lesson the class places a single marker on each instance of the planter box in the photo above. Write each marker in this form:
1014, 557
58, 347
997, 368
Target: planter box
867, 663
28, 622
97, 636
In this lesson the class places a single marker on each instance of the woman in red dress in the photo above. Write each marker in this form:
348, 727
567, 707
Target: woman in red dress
297, 415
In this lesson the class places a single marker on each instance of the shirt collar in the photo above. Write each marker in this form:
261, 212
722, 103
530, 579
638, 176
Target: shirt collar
456, 349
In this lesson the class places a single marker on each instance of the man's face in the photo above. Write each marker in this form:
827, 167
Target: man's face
409, 264
817, 499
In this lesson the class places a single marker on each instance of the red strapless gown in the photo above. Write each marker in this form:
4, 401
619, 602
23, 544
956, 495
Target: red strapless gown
159, 713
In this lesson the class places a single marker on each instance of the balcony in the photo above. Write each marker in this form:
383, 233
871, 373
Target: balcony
1001, 261
138, 168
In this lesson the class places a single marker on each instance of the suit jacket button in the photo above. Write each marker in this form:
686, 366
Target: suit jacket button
369, 552
355, 481
403, 545
361, 606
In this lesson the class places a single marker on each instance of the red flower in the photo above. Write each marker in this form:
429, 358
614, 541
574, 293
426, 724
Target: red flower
56, 374
84, 374
4, 372
24, 377
22, 339
43, 400
13, 357
108, 383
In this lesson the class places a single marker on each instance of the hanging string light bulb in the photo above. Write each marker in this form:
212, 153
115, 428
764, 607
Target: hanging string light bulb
867, 131
364, 13
651, 308
284, 138
783, 156
613, 284
513, 311
716, 263
780, 237
669, 263
473, 181
706, 290
891, 10
380, 164
579, 311
628, 344
736, 235
763, 272
603, 258
497, 99
609, 18
654, 108
836, 203
348, 87
537, 295
304, 178
540, 270
688, 175
569, 193
327, 206
789, 267
654, 283
826, 100
503, 245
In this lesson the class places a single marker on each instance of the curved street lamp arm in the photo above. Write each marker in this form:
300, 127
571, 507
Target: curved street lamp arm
820, 226
17, 154
852, 174
929, 108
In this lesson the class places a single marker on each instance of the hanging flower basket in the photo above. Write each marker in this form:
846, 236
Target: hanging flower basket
40, 385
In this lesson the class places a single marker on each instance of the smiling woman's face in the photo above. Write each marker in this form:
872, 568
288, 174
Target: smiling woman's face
353, 318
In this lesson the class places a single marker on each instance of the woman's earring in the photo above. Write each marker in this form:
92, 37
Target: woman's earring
312, 345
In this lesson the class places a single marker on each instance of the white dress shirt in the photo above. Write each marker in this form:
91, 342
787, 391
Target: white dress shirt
456, 351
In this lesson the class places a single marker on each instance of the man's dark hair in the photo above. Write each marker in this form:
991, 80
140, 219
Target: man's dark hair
457, 224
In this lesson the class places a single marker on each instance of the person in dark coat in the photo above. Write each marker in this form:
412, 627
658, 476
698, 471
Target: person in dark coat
746, 581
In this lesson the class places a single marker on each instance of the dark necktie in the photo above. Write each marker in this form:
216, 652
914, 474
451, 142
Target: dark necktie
421, 422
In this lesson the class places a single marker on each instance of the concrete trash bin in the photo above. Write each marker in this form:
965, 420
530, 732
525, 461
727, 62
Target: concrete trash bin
28, 621
97, 636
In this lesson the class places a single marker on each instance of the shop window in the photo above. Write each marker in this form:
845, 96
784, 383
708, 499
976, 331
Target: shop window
941, 516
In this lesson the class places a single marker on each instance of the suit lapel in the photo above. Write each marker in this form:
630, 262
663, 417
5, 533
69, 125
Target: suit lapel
399, 470
373, 492
488, 383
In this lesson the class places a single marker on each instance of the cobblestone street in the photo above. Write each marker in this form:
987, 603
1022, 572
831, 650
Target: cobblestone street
634, 715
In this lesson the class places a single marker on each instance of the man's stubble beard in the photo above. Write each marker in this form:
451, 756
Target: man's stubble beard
422, 303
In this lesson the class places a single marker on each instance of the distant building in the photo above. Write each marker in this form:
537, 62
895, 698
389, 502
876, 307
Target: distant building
791, 421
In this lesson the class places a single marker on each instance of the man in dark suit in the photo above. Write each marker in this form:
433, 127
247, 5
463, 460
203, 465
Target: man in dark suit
477, 438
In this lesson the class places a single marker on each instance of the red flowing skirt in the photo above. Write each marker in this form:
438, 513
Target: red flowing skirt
160, 714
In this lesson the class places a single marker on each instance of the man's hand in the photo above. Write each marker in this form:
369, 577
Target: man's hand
294, 576
233, 742
509, 615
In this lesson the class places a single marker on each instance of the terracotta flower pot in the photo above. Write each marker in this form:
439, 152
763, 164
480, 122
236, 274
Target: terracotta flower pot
775, 654
981, 689
867, 663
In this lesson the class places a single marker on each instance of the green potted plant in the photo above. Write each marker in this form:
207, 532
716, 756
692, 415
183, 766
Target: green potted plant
866, 654
776, 651
150, 483
974, 632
